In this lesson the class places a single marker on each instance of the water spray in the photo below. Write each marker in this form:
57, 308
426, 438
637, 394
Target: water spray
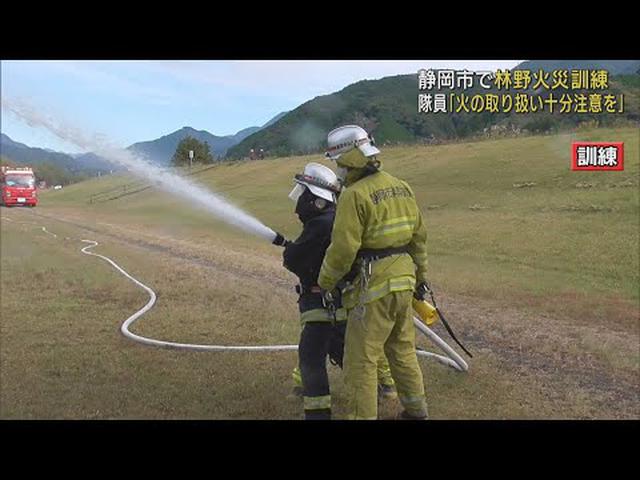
163, 179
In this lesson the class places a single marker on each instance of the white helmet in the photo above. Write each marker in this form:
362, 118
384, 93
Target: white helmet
320, 180
344, 139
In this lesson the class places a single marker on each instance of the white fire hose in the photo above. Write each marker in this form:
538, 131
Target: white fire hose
163, 343
451, 359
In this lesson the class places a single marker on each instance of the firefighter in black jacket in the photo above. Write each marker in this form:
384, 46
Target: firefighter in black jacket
323, 325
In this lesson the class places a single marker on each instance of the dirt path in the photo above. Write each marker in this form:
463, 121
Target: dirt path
219, 267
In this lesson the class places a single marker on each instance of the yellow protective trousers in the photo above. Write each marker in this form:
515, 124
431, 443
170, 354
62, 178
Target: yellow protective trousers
386, 329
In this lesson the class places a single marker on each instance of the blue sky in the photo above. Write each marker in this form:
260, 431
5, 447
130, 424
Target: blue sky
132, 101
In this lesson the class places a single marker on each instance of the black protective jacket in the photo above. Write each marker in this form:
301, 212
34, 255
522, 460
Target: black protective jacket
304, 256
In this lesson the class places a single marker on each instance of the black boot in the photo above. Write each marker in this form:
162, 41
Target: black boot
324, 414
424, 415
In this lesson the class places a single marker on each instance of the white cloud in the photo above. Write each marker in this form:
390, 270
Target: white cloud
221, 96
305, 78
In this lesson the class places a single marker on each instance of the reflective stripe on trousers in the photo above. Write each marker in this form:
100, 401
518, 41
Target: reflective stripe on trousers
317, 403
322, 315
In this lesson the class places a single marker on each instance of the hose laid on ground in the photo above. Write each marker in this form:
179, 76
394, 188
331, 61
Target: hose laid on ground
162, 343
453, 359
44, 229
50, 233
456, 361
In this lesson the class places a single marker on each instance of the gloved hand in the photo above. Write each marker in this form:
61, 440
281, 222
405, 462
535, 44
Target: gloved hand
421, 291
328, 297
280, 240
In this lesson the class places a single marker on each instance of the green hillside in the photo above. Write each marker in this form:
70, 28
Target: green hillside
388, 108
536, 266
484, 219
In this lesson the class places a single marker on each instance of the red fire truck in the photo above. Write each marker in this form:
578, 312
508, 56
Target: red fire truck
18, 186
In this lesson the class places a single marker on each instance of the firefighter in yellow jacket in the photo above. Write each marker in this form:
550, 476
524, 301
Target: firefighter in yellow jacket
379, 244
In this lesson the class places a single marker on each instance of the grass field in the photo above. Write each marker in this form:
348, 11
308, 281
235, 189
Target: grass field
536, 266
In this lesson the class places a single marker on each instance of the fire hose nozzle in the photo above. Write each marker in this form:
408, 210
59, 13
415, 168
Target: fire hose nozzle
280, 240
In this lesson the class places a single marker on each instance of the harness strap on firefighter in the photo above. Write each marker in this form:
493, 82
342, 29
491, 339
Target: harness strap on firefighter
328, 300
368, 255
364, 258
378, 253
444, 321
329, 303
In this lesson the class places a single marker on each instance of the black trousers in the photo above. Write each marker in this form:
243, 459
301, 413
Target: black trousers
317, 341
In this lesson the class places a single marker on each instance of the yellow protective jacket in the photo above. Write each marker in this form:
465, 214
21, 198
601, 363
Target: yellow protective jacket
377, 211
